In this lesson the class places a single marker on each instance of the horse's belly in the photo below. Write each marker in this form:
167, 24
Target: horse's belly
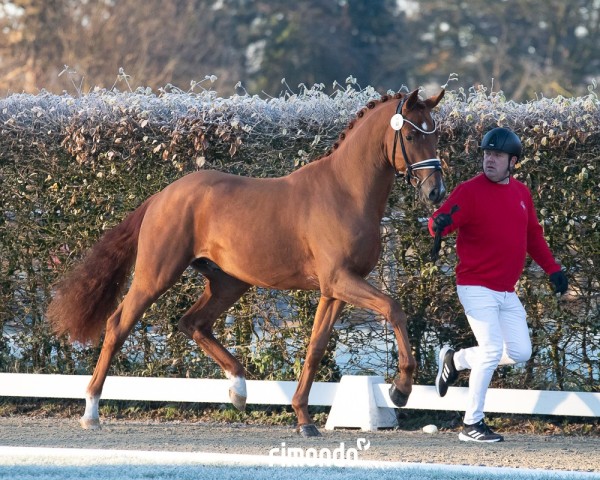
262, 263
266, 275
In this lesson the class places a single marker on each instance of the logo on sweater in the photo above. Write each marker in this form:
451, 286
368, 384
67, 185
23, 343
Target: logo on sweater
523, 205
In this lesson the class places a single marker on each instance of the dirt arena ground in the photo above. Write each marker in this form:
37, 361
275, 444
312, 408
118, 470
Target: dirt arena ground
555, 452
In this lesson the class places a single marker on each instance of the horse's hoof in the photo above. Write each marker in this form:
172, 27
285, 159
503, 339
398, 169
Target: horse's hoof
308, 430
398, 398
90, 423
237, 400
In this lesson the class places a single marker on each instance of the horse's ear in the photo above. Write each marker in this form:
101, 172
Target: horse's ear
431, 102
412, 99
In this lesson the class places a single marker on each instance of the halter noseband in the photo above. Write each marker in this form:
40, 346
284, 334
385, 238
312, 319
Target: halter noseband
432, 163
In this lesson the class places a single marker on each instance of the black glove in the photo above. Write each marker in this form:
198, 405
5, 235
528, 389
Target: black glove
441, 221
560, 282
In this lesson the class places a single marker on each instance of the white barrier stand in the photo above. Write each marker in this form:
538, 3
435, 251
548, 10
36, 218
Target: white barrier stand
354, 406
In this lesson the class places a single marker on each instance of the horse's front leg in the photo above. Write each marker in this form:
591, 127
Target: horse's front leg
402, 384
327, 312
353, 289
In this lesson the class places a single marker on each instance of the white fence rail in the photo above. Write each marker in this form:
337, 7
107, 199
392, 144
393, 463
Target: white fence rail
357, 401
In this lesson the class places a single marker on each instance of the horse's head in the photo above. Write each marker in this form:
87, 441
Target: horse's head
414, 146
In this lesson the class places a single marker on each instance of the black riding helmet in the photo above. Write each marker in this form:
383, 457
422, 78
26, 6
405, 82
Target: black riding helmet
502, 140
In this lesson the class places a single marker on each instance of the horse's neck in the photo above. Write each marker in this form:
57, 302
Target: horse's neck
364, 172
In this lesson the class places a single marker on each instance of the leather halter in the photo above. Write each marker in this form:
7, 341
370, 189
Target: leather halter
429, 164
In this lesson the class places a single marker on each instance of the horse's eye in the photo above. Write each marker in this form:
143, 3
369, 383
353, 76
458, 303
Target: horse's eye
410, 138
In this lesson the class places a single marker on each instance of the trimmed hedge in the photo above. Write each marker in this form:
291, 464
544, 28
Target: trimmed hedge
72, 167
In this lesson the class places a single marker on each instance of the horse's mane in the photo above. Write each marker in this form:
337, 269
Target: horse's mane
361, 113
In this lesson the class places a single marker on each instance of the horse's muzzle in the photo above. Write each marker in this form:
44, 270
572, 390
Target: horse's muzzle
437, 194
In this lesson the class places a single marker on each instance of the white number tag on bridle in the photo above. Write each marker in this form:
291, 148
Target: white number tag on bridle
397, 121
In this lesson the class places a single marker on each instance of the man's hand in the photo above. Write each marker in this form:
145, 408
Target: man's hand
441, 221
560, 282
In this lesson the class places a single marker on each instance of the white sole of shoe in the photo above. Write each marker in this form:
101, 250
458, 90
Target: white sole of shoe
466, 438
441, 356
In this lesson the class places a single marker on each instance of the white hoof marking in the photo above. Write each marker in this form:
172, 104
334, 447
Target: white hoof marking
91, 417
237, 391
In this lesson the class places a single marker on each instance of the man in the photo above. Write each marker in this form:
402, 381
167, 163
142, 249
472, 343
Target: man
497, 226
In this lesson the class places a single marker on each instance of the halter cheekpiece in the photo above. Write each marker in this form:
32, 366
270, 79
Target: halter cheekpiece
397, 122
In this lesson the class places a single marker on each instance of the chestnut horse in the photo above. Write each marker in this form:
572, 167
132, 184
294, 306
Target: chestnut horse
315, 229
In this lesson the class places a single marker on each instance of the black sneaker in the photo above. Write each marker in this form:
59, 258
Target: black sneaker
447, 373
479, 432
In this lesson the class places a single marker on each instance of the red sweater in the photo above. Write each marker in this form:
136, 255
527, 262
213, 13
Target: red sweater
497, 226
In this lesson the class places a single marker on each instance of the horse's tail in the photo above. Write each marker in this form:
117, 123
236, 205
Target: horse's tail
89, 294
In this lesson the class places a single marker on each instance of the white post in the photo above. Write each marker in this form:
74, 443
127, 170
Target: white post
354, 406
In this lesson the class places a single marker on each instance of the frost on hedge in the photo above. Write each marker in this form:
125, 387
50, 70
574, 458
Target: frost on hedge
545, 122
176, 126
190, 129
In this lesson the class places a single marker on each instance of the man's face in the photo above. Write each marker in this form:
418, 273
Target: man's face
496, 165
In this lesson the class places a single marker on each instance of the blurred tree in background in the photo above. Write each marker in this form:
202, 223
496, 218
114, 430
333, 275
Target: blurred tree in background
526, 46
523, 47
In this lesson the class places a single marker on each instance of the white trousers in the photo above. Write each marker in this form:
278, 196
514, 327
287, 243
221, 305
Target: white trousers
499, 323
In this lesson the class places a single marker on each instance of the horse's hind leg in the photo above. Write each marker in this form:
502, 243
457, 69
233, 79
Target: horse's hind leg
220, 293
152, 277
118, 327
